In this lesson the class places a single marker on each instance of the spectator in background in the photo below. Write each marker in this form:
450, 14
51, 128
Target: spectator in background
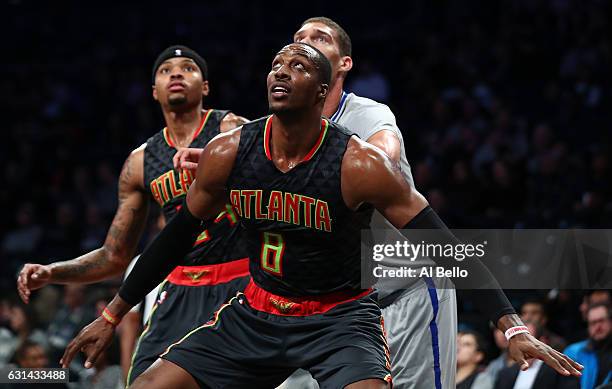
595, 353
69, 319
534, 311
32, 355
538, 376
471, 354
21, 327
593, 297
503, 360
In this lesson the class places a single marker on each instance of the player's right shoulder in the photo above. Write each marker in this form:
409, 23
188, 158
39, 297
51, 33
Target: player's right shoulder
136, 157
139, 150
224, 144
132, 173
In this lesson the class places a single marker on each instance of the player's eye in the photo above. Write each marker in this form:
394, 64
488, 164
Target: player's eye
189, 68
276, 66
298, 65
164, 70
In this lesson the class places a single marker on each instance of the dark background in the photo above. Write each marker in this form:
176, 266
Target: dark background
504, 106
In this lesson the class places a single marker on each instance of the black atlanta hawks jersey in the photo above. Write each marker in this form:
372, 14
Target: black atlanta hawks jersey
219, 241
302, 238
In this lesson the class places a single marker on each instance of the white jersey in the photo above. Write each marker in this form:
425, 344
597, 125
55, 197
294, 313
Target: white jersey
365, 117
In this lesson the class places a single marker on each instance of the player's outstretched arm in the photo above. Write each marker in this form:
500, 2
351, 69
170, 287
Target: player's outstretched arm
206, 198
369, 176
113, 257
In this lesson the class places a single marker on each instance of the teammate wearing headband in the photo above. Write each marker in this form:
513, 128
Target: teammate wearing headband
216, 267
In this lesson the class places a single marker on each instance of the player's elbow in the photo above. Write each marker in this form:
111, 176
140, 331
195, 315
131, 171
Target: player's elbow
417, 200
115, 262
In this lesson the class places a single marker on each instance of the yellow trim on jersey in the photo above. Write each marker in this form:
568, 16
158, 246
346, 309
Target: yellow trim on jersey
208, 324
147, 326
168, 139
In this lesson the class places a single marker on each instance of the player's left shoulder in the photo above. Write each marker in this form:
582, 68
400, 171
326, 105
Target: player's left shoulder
362, 158
231, 121
368, 106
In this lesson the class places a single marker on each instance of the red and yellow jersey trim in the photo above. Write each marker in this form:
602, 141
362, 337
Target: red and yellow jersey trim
209, 274
211, 323
205, 117
264, 301
313, 150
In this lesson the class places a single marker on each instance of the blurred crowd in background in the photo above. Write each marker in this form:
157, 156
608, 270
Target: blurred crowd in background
504, 107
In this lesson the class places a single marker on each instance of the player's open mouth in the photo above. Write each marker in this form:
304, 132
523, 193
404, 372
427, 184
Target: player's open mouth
279, 90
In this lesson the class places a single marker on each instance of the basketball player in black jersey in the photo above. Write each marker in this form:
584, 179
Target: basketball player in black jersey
216, 266
297, 181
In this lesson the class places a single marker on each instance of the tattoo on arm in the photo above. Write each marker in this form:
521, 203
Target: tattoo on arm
121, 240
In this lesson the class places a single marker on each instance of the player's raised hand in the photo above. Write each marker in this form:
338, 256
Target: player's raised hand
31, 277
187, 158
92, 340
523, 347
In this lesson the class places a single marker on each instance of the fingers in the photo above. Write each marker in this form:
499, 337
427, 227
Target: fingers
93, 353
186, 159
40, 273
574, 364
569, 365
176, 160
553, 362
73, 347
189, 165
22, 282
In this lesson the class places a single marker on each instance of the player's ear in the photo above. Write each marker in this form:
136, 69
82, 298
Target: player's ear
205, 88
323, 91
154, 93
346, 64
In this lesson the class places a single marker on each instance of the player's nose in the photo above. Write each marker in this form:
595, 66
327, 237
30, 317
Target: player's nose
281, 73
176, 74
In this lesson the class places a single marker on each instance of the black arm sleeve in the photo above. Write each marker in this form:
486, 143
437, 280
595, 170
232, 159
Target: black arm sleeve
491, 301
161, 256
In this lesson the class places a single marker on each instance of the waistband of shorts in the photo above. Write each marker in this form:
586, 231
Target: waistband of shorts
209, 274
262, 300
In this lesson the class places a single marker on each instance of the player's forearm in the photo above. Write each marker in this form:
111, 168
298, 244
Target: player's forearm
118, 307
509, 321
161, 256
488, 296
95, 266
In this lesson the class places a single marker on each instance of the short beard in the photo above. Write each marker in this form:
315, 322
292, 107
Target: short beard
177, 101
